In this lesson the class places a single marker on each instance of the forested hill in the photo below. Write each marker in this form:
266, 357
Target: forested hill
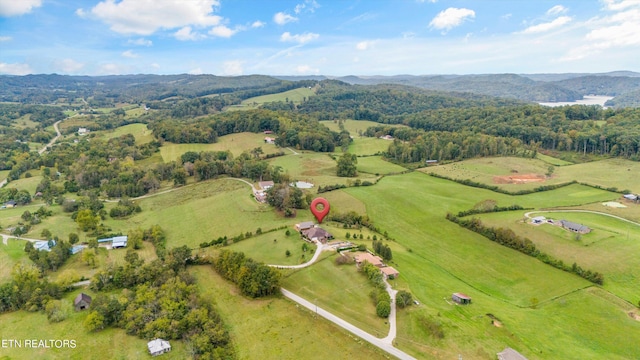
107, 90
525, 87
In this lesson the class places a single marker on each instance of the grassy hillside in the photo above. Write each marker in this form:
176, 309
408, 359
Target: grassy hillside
236, 143
296, 96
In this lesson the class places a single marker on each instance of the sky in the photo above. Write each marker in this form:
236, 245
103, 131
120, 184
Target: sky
318, 37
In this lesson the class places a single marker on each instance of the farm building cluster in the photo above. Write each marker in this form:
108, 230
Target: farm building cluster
565, 224
260, 193
387, 271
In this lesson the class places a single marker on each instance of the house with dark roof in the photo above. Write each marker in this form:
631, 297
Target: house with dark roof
317, 234
82, 302
575, 227
10, 204
461, 298
510, 354
158, 347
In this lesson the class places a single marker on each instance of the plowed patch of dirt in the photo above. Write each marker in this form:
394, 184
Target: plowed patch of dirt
519, 179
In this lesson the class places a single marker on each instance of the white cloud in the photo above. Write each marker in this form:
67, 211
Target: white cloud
140, 42
364, 45
558, 9
282, 18
68, 66
306, 69
562, 20
130, 54
185, 34
81, 13
617, 5
222, 31
299, 38
431, 1
15, 69
144, 17
232, 68
507, 16
257, 24
451, 17
155, 65
5, 38
18, 7
196, 71
308, 6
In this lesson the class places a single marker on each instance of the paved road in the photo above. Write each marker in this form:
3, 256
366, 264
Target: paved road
582, 211
380, 343
5, 238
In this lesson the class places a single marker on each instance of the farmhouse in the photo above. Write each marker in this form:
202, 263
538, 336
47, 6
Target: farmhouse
158, 347
370, 258
631, 197
386, 137
269, 140
82, 302
389, 272
510, 354
83, 131
266, 185
575, 227
44, 245
303, 226
461, 298
317, 234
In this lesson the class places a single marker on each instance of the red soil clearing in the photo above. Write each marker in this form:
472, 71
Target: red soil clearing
519, 179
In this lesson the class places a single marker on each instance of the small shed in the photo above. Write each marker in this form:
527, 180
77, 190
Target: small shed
10, 204
461, 298
82, 302
119, 242
631, 197
158, 347
510, 354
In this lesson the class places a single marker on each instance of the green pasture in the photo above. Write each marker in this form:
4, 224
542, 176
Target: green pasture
437, 258
377, 165
75, 122
342, 202
271, 248
609, 239
10, 255
354, 127
27, 183
236, 143
552, 160
276, 328
140, 131
296, 96
316, 168
598, 173
368, 146
24, 122
340, 288
631, 211
106, 344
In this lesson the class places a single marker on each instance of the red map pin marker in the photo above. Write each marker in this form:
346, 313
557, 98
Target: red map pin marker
320, 214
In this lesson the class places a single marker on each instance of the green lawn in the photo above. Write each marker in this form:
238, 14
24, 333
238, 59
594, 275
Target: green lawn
609, 239
27, 183
377, 165
276, 328
263, 248
236, 143
552, 160
296, 96
140, 131
354, 127
10, 255
106, 344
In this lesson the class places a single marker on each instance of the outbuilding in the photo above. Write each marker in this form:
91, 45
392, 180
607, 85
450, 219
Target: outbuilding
82, 302
461, 298
158, 347
575, 227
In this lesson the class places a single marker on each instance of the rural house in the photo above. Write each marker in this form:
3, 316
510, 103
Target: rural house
158, 347
10, 204
389, 272
510, 354
82, 302
461, 298
269, 140
265, 185
303, 226
371, 259
317, 234
116, 241
575, 227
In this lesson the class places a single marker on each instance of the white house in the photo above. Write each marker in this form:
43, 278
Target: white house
83, 131
158, 347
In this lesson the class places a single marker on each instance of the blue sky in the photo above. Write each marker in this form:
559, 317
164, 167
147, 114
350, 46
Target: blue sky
318, 37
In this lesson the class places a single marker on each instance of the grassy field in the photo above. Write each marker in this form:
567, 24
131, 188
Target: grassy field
278, 328
316, 168
436, 258
376, 165
27, 183
270, 248
552, 160
106, 344
10, 255
342, 289
236, 143
354, 126
296, 96
610, 238
140, 131
594, 173
75, 122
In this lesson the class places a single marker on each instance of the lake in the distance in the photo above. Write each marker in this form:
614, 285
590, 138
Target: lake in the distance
586, 100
